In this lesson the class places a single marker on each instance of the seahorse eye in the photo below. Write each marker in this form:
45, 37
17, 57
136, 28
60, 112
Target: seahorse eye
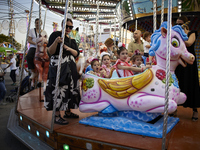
175, 42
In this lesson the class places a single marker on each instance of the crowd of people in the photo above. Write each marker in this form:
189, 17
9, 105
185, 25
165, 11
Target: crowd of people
127, 62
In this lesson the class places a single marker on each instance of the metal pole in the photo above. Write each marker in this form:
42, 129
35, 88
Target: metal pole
97, 27
162, 12
110, 29
120, 25
169, 18
122, 34
59, 65
126, 35
45, 17
115, 32
84, 38
25, 48
71, 5
135, 24
100, 33
40, 21
154, 15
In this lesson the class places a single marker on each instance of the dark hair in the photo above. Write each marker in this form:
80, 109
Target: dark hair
37, 19
120, 49
93, 61
77, 29
134, 57
183, 18
10, 55
70, 20
146, 34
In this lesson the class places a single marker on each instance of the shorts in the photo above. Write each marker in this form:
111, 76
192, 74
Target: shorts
30, 58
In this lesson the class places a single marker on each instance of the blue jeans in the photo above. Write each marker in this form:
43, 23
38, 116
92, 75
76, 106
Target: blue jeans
2, 90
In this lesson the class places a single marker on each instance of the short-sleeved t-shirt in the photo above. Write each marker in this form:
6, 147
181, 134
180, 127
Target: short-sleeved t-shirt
146, 50
33, 36
133, 46
13, 66
73, 44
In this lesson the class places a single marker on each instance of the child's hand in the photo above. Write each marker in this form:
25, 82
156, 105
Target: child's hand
148, 63
103, 72
148, 66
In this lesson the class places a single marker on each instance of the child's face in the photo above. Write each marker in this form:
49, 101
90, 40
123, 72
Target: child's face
106, 60
96, 66
138, 61
148, 39
123, 55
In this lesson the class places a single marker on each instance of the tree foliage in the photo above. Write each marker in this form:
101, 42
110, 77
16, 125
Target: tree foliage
4, 38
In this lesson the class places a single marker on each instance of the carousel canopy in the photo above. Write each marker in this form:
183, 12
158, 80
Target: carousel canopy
85, 9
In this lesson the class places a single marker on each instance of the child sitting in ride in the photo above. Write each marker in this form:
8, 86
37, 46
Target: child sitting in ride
97, 69
106, 63
88, 64
137, 61
123, 68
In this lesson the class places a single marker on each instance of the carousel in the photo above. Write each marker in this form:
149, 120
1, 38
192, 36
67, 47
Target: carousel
115, 113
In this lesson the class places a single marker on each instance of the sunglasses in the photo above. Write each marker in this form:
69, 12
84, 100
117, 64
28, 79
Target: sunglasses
70, 27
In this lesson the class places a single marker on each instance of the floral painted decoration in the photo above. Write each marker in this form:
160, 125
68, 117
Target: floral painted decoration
87, 83
160, 74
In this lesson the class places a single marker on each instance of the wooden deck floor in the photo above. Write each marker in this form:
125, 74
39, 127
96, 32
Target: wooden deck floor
184, 136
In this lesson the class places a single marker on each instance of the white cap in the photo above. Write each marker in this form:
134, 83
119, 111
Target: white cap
104, 53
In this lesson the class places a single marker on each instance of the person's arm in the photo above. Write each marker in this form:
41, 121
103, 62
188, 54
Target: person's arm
136, 69
190, 40
73, 52
30, 41
52, 48
147, 46
9, 65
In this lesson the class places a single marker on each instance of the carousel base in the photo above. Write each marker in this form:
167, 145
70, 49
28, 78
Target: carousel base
130, 125
36, 121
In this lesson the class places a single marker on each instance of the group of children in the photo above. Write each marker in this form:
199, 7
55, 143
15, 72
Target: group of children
122, 66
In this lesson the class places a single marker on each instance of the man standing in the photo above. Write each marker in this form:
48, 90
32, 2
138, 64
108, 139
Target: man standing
136, 45
13, 68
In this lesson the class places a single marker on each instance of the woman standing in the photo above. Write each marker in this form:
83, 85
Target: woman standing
68, 96
188, 76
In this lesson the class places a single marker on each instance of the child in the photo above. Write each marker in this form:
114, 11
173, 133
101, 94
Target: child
137, 61
146, 44
96, 68
122, 67
106, 63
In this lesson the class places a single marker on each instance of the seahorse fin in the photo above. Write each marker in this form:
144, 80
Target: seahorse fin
109, 109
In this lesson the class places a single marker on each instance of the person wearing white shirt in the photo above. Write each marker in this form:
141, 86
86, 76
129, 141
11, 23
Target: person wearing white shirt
13, 68
33, 34
146, 44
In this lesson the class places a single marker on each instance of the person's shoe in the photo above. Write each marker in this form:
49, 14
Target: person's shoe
13, 84
70, 115
195, 116
59, 120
